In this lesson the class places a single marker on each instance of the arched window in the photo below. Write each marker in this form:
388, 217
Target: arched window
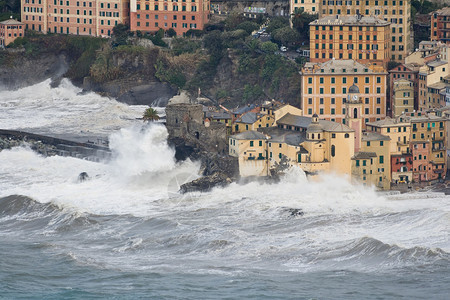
355, 113
312, 136
318, 136
346, 135
333, 150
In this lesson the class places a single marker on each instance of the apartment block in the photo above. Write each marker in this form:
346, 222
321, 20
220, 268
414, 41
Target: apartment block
431, 76
397, 12
409, 72
428, 134
440, 25
10, 30
403, 98
365, 39
308, 6
326, 89
180, 15
94, 18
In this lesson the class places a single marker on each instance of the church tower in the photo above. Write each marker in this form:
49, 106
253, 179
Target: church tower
353, 117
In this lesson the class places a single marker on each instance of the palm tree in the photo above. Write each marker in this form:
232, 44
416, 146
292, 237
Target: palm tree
150, 114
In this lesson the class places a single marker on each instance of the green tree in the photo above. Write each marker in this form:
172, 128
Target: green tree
300, 22
248, 26
120, 34
286, 35
268, 47
150, 115
171, 32
277, 23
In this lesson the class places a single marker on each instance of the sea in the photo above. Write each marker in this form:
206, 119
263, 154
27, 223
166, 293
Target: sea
127, 233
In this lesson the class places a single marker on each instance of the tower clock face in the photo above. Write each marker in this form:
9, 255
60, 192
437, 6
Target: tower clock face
355, 97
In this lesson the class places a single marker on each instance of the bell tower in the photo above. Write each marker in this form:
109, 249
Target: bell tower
353, 117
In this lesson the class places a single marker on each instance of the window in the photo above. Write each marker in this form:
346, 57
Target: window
251, 143
381, 159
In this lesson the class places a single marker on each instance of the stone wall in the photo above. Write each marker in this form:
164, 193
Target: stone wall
185, 121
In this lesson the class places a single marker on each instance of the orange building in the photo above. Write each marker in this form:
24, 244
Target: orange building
365, 39
326, 88
397, 12
95, 18
440, 25
180, 15
10, 30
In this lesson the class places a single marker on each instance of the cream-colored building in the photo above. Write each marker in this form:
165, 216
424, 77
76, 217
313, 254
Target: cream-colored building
251, 149
308, 6
403, 97
397, 12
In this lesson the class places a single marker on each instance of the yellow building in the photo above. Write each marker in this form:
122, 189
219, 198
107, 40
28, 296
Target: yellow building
308, 6
403, 97
397, 12
313, 145
326, 146
252, 121
325, 89
372, 164
365, 39
430, 75
399, 131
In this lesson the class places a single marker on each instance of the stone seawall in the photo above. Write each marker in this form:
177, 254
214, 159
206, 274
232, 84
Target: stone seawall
49, 146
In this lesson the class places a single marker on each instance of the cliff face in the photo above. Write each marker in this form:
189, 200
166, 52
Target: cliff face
18, 71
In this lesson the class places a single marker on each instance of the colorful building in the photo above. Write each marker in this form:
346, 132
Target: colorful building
430, 74
398, 13
409, 72
430, 132
252, 121
94, 18
10, 30
325, 89
372, 165
150, 16
365, 39
399, 131
440, 25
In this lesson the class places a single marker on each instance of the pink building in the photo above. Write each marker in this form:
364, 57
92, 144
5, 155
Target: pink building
422, 169
10, 30
95, 18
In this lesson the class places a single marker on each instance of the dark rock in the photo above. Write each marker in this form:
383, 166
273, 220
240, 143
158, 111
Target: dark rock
83, 177
296, 212
206, 183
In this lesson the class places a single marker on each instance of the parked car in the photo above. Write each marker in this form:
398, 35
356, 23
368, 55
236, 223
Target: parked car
283, 49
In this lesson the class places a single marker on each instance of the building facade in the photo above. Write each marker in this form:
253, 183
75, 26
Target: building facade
94, 18
365, 39
180, 15
325, 89
403, 97
409, 72
397, 12
440, 25
430, 74
308, 6
10, 30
